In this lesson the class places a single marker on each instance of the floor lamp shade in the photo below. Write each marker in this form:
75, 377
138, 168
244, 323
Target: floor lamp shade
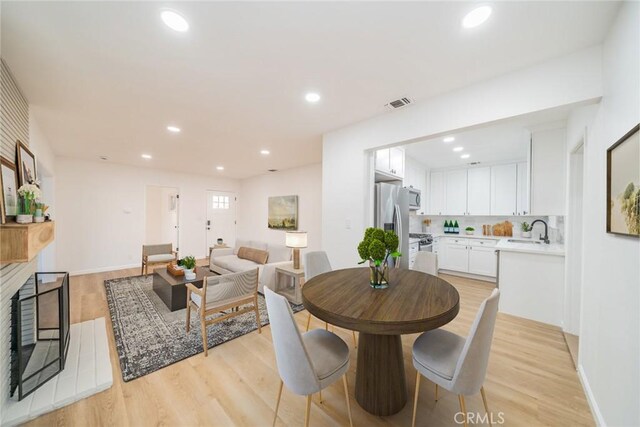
296, 240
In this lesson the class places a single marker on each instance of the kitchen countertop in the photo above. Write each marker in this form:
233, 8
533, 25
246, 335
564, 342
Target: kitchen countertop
504, 244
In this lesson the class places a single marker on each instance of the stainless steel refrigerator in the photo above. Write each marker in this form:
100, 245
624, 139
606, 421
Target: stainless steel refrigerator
392, 213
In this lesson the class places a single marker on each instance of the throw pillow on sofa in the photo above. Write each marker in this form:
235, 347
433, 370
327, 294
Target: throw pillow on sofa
252, 254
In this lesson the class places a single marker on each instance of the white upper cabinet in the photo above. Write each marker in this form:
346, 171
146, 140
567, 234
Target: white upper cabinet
456, 192
390, 161
522, 202
548, 172
479, 191
436, 193
503, 189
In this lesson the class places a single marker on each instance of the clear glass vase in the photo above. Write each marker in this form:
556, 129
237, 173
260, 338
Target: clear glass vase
379, 275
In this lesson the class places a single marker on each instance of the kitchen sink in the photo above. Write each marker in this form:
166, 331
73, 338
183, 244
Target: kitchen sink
532, 242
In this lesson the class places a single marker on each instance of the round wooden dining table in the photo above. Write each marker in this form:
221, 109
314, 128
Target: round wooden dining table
413, 302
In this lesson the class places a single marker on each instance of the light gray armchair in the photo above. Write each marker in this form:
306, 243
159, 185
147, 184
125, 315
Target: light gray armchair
306, 363
157, 254
219, 293
455, 363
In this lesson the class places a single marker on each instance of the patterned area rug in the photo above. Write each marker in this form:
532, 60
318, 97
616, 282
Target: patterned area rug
150, 337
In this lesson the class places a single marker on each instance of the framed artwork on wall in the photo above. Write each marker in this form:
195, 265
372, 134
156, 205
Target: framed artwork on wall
9, 185
27, 173
623, 185
283, 213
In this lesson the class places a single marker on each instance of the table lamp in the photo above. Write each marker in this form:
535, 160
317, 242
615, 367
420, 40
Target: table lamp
296, 240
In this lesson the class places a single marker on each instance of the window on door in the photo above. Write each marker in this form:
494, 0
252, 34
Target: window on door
220, 202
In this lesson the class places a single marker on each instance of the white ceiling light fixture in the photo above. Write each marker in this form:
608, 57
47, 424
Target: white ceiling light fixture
312, 97
220, 168
449, 139
465, 156
173, 129
476, 17
456, 149
146, 156
265, 152
174, 20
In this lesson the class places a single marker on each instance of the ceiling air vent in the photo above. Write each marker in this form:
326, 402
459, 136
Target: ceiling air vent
474, 163
399, 103
272, 170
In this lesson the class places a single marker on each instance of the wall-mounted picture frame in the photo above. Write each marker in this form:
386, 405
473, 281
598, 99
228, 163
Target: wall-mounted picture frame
623, 185
283, 213
9, 186
26, 165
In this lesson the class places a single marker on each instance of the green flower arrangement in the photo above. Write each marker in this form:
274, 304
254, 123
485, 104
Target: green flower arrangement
378, 245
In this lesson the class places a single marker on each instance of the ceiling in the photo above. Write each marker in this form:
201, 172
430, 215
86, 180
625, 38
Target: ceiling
106, 78
507, 140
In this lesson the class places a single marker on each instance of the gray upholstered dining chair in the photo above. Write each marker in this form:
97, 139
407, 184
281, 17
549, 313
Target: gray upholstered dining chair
316, 263
309, 362
455, 363
427, 262
157, 254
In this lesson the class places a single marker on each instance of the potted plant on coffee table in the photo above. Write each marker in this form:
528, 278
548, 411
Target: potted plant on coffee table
189, 264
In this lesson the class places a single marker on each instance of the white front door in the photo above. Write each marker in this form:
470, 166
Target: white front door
221, 218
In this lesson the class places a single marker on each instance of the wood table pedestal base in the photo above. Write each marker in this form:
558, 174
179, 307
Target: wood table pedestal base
381, 387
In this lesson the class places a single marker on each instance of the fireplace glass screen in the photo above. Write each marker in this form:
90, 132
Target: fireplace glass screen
39, 332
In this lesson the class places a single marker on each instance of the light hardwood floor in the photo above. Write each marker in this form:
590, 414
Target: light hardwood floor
531, 380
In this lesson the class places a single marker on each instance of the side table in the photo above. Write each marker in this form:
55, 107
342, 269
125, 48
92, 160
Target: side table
290, 285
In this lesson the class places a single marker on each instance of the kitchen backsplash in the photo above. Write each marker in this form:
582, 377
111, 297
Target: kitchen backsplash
556, 224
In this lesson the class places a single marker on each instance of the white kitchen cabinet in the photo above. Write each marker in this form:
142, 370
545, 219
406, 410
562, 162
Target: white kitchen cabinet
548, 172
413, 252
436, 194
456, 192
479, 191
522, 200
390, 161
482, 261
455, 257
503, 189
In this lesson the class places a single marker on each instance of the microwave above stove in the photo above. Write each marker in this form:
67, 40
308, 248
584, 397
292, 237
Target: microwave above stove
414, 198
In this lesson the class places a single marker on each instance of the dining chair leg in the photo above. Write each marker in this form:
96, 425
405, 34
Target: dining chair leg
415, 400
308, 322
486, 406
436, 392
308, 412
346, 396
255, 304
142, 269
203, 327
275, 416
320, 395
463, 408
326, 326
355, 340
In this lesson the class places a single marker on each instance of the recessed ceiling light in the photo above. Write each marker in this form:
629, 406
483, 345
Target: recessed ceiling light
312, 97
265, 152
449, 139
146, 156
464, 156
173, 129
476, 17
458, 149
220, 168
174, 20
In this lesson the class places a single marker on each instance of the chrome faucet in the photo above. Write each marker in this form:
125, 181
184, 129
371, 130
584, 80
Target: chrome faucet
544, 238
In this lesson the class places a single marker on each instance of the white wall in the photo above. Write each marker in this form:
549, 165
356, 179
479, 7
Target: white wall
306, 182
346, 198
609, 357
101, 217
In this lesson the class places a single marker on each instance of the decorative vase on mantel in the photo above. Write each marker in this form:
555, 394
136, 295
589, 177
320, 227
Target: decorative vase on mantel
379, 275
24, 211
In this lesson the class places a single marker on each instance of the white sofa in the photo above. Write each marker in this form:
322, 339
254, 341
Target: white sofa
225, 261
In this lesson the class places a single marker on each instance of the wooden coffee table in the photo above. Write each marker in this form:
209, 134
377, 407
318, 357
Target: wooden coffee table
172, 290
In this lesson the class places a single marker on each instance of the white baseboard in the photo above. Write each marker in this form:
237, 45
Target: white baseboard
595, 410
103, 269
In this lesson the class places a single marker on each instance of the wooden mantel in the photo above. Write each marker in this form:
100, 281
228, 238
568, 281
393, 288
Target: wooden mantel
22, 242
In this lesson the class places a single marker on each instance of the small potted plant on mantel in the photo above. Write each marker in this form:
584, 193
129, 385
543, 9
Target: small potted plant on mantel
28, 194
526, 230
